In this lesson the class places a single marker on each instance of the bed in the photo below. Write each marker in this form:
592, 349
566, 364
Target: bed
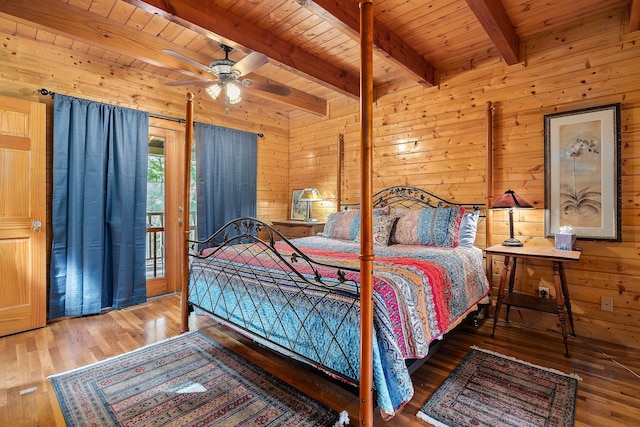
301, 297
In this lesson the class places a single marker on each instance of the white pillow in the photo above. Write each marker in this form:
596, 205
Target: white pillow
468, 228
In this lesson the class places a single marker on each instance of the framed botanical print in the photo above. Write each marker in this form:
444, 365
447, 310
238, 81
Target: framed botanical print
582, 173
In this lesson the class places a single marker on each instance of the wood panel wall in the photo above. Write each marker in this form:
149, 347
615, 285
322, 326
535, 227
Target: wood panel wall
434, 138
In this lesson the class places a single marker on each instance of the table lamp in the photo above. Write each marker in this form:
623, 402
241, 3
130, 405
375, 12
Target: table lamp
510, 200
310, 195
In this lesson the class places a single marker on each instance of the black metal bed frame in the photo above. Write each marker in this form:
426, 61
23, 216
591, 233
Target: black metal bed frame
243, 233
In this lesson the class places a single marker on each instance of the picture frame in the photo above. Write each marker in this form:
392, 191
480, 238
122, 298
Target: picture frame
582, 173
298, 208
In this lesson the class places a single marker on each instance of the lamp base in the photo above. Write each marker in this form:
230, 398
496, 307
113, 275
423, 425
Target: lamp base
512, 242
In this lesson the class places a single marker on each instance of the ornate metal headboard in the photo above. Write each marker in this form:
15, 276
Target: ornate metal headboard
408, 197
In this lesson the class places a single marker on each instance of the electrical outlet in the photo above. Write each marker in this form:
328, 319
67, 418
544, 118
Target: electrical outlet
606, 303
543, 292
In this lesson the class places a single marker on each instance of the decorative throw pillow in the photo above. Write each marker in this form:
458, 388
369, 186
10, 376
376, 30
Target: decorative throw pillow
340, 225
468, 228
429, 227
402, 211
376, 212
346, 225
385, 210
382, 226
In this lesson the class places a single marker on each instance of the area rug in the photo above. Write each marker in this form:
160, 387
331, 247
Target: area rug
493, 390
189, 380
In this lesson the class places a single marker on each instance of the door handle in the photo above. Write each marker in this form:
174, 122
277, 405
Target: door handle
36, 226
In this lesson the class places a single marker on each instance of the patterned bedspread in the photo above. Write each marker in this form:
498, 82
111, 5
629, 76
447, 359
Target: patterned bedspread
420, 293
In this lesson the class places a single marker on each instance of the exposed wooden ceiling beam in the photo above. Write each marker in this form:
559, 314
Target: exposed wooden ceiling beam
53, 16
493, 17
213, 21
634, 19
301, 100
345, 16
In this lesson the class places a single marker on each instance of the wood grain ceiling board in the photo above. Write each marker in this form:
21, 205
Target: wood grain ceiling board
532, 17
446, 33
206, 17
440, 31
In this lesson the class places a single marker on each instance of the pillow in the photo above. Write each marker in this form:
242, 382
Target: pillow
376, 212
468, 228
385, 210
340, 225
382, 226
401, 211
346, 225
429, 227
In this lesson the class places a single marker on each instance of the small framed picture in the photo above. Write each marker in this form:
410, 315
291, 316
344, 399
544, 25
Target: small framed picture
298, 208
582, 173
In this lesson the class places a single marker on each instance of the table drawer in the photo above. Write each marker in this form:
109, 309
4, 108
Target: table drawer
294, 229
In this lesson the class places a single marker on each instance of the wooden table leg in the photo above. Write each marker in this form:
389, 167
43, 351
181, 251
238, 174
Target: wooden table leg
512, 277
567, 298
562, 315
503, 280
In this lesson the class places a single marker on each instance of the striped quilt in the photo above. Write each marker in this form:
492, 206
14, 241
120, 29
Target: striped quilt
420, 293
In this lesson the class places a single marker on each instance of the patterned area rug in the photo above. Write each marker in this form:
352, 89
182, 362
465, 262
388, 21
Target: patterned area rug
493, 390
189, 380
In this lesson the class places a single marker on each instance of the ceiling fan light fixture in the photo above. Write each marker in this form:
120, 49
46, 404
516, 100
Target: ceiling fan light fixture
214, 90
233, 93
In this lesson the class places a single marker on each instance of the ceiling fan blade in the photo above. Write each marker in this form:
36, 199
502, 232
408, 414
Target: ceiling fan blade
250, 63
199, 82
186, 59
267, 87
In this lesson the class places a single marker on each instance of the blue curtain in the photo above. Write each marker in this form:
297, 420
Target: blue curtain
226, 177
99, 207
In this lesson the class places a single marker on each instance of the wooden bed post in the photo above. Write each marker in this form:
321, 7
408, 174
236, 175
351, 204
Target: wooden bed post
185, 220
489, 177
366, 213
489, 189
339, 172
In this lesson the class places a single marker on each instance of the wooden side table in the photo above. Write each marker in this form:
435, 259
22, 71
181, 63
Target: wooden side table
293, 229
562, 304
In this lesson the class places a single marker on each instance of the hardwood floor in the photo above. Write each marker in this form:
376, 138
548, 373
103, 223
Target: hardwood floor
608, 395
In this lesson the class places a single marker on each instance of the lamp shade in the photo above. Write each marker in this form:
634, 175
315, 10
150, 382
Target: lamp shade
214, 91
510, 200
233, 93
310, 195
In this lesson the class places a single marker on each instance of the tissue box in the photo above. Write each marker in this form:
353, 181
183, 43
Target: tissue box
565, 241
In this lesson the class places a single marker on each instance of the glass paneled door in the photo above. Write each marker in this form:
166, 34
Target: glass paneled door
164, 197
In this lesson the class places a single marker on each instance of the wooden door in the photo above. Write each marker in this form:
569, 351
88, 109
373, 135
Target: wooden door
171, 135
22, 215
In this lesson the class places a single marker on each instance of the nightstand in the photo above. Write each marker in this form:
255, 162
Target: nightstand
293, 229
562, 303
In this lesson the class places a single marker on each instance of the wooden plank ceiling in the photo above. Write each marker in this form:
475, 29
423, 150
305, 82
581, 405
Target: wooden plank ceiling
312, 46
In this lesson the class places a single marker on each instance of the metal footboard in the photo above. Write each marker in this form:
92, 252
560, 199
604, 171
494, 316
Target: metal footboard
279, 297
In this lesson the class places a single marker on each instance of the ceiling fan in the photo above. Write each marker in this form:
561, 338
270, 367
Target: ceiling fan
228, 74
